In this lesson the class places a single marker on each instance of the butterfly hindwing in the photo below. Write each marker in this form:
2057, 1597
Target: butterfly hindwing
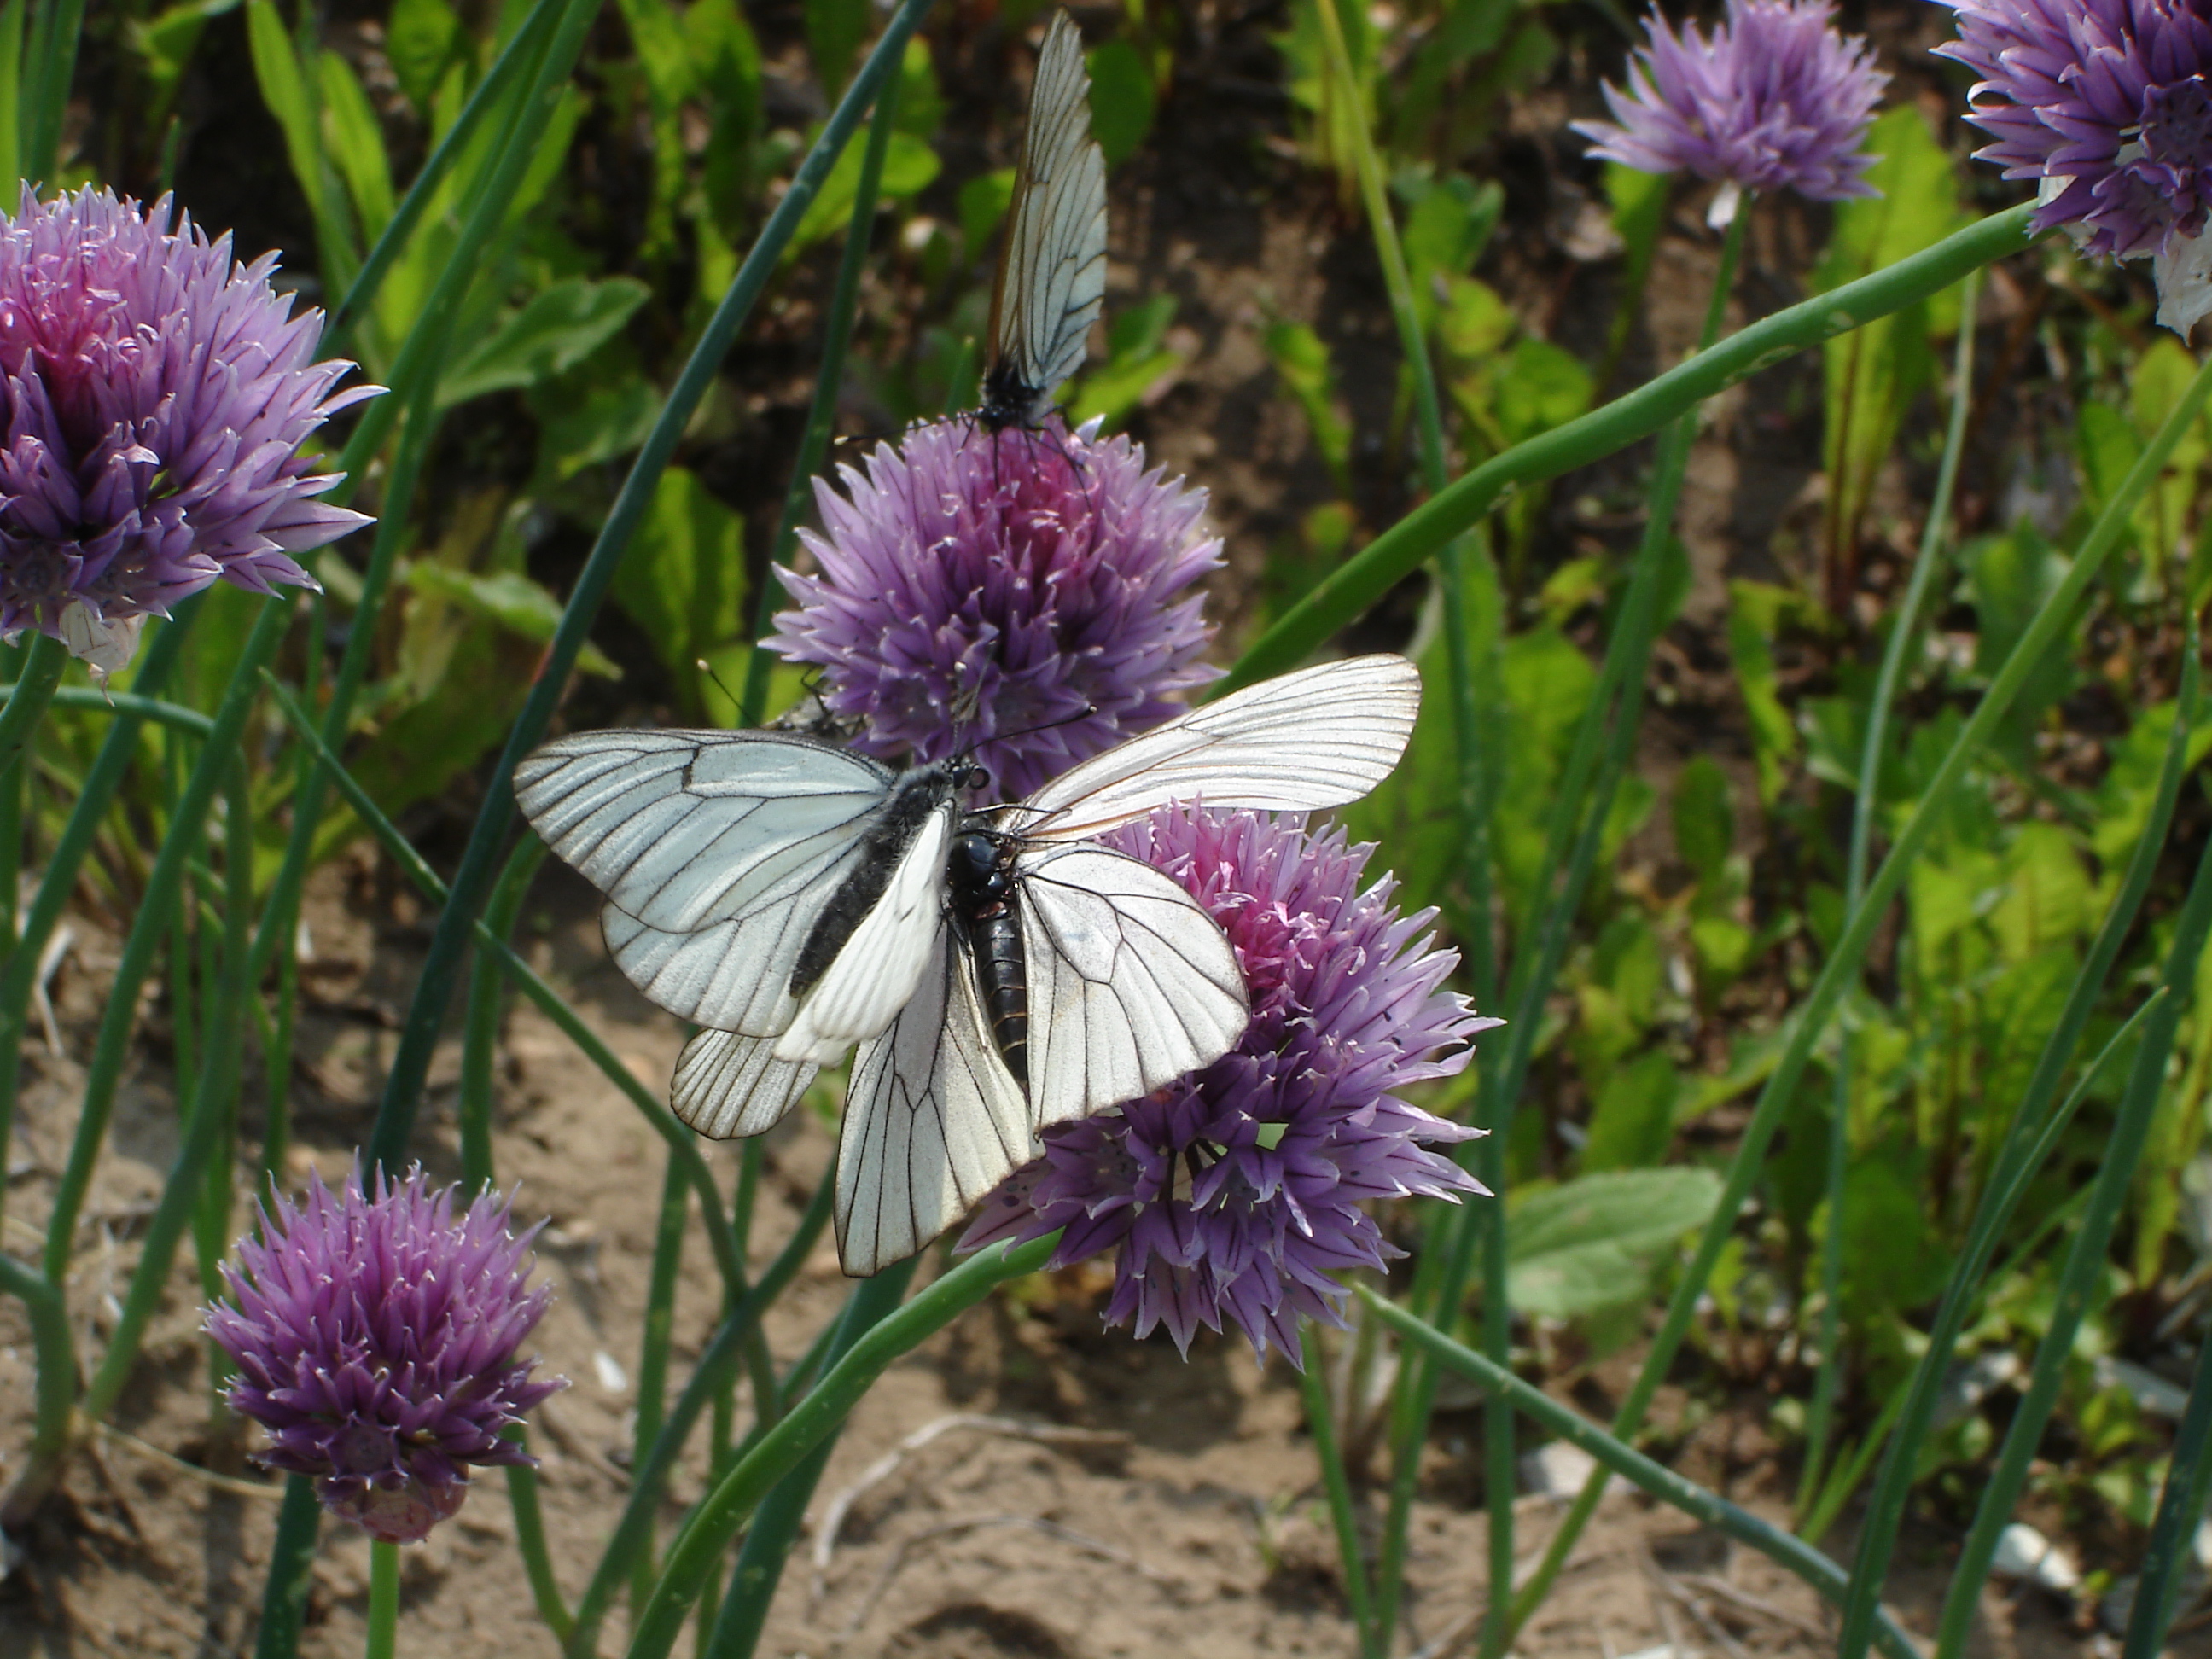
728, 1086
932, 1120
1131, 982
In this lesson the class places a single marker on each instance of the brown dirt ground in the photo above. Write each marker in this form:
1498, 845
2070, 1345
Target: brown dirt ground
1199, 1530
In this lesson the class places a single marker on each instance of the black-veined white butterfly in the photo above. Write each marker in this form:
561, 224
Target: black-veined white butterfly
1052, 270
1000, 971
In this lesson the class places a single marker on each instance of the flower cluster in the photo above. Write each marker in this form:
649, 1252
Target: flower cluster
375, 1340
2104, 105
156, 395
1774, 99
1236, 1193
1020, 596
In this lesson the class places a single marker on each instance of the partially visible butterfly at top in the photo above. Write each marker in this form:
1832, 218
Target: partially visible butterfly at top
999, 970
1051, 279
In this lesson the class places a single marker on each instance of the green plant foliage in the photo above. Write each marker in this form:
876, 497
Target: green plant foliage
1873, 375
1303, 362
558, 328
1122, 100
1593, 1243
1139, 365
684, 583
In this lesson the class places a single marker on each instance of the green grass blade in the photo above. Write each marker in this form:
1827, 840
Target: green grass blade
411, 1058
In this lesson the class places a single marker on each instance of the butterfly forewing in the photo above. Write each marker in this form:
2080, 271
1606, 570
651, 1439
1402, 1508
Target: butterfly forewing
1052, 271
1300, 742
713, 849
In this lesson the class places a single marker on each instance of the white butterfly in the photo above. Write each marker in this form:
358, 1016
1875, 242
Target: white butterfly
1052, 271
1000, 971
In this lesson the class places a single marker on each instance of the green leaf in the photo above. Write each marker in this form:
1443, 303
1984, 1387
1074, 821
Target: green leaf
1136, 362
420, 40
984, 200
1634, 1122
1873, 373
356, 145
1592, 1242
835, 29
683, 581
909, 165
560, 327
1122, 100
1704, 820
507, 598
1449, 228
1755, 613
2009, 578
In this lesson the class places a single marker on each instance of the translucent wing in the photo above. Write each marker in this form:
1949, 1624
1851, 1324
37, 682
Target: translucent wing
716, 851
728, 1086
880, 967
1052, 271
932, 1121
1131, 982
1297, 743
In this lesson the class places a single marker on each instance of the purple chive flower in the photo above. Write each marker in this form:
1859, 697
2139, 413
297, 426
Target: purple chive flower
2104, 105
1774, 99
1235, 1192
1018, 595
156, 395
375, 1342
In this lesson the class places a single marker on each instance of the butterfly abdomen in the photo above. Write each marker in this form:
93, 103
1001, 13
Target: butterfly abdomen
980, 879
1002, 967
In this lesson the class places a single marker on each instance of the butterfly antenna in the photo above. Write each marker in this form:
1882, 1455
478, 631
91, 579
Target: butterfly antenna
707, 668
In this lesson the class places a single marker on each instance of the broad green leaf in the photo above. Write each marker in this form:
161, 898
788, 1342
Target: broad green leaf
835, 29
509, 598
356, 145
2009, 578
683, 581
560, 327
984, 200
1137, 361
1122, 100
909, 167
1634, 1122
1447, 229
420, 40
1705, 822
1592, 1242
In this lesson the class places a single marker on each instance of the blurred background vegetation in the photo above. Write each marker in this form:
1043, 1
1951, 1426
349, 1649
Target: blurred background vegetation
1248, 344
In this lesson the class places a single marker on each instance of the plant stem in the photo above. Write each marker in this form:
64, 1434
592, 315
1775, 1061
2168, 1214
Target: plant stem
1662, 1483
1903, 633
410, 1060
54, 1356
383, 1641
2180, 1511
34, 687
737, 1335
1320, 1421
480, 1044
2085, 1260
1361, 581
2052, 617
19, 967
828, 384
653, 1347
812, 1420
291, 1561
744, 1612
2015, 1160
